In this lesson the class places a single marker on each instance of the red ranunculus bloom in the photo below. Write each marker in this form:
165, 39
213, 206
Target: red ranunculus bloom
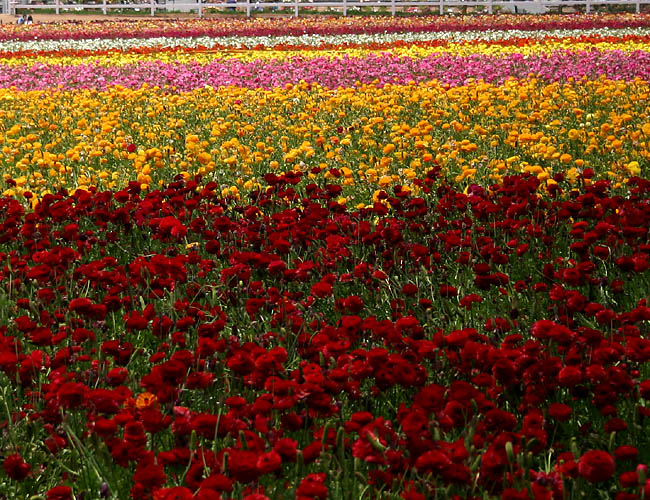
626, 452
149, 475
269, 462
176, 493
15, 467
596, 466
59, 493
321, 289
313, 486
559, 411
242, 465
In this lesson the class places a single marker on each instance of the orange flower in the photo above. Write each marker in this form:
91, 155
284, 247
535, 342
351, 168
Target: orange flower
145, 400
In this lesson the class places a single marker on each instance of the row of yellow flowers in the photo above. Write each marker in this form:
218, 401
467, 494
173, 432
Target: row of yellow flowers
184, 56
366, 138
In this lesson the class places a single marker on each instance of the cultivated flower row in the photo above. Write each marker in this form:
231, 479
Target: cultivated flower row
193, 28
414, 50
365, 138
333, 72
315, 40
179, 344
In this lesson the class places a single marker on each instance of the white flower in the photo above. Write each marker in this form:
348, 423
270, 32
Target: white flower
308, 39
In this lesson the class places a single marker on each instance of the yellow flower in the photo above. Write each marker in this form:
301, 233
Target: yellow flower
204, 158
646, 129
385, 181
633, 168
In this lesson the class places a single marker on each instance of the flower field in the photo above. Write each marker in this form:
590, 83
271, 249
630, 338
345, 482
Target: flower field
347, 258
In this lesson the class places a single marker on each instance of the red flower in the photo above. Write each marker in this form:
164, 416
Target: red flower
412, 494
269, 462
276, 267
171, 226
60, 493
512, 494
256, 496
601, 252
287, 448
570, 376
629, 479
353, 303
241, 363
644, 389
470, 299
432, 461
504, 371
615, 425
71, 394
15, 467
149, 475
81, 305
105, 427
448, 291
626, 452
176, 493
242, 465
217, 482
567, 465
321, 289
313, 486
55, 444
596, 466
134, 435
135, 321
117, 376
560, 412
493, 463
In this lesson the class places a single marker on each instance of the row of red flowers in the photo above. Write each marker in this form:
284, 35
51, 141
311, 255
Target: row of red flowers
176, 344
111, 29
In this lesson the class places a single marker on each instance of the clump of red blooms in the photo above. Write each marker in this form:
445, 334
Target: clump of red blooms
451, 343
